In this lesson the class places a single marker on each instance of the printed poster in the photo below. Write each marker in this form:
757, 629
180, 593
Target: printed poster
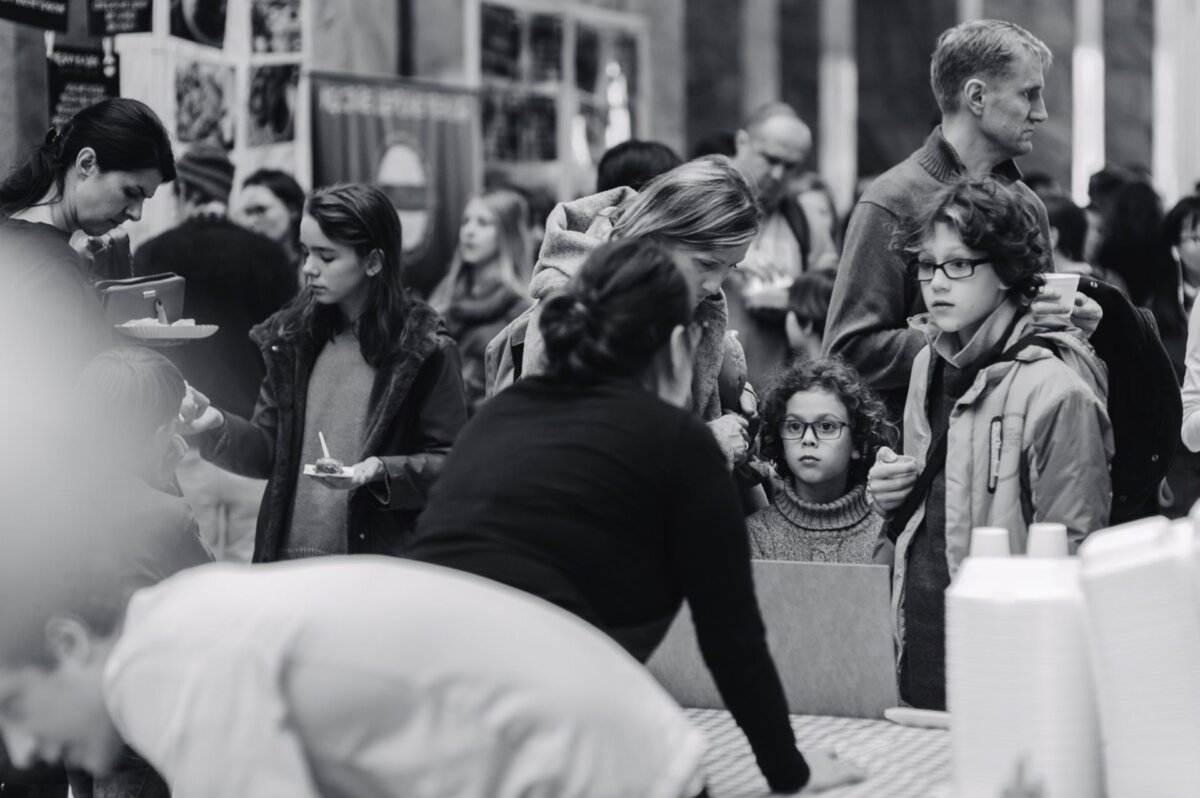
49, 14
412, 140
78, 77
110, 17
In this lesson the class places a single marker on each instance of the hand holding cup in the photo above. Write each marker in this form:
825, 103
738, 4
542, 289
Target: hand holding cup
890, 479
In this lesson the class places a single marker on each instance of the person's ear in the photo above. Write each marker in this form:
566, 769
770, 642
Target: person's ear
86, 163
67, 639
973, 95
683, 345
856, 453
374, 262
1054, 236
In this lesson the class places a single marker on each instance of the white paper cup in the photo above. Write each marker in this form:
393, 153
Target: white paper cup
1047, 540
1065, 285
989, 541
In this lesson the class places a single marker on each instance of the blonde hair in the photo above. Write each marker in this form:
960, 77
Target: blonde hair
512, 245
703, 204
130, 390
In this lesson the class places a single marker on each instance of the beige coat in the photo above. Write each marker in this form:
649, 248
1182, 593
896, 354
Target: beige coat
1029, 441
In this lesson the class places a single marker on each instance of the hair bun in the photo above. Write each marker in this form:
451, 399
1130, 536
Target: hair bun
566, 319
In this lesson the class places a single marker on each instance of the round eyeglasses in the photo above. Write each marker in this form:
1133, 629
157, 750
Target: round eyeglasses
794, 430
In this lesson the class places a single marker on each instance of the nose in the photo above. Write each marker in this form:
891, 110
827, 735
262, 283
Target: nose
134, 211
940, 281
309, 267
1038, 112
805, 438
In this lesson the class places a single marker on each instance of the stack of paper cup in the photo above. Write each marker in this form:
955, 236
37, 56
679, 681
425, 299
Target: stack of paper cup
989, 541
1047, 540
1018, 680
1144, 617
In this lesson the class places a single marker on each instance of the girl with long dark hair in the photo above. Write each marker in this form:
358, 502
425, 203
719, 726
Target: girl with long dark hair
356, 359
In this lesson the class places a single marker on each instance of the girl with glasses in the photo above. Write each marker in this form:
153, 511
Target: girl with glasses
821, 429
1022, 419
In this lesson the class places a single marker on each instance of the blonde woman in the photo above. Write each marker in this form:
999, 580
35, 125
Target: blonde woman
707, 214
483, 289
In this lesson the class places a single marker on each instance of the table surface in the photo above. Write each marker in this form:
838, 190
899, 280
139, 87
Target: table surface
900, 761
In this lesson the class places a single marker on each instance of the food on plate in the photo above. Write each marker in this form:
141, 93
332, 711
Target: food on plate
329, 465
152, 322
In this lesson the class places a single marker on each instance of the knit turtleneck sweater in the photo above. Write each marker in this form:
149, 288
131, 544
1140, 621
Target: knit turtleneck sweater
844, 530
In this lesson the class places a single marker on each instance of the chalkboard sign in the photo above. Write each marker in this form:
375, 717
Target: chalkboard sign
110, 17
49, 14
500, 42
78, 77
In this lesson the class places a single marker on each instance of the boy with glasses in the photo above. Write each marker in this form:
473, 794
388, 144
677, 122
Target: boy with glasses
1008, 428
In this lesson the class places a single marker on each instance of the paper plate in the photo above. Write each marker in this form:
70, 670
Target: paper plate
311, 471
166, 335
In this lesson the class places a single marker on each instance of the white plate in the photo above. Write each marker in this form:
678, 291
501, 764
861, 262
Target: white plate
311, 471
167, 332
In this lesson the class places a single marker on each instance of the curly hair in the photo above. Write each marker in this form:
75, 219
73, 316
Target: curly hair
870, 426
989, 215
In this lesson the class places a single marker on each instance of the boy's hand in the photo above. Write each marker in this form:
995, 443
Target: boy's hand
197, 415
890, 479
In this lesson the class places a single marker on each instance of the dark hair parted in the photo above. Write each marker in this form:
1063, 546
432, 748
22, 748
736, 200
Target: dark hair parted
869, 423
616, 314
363, 218
634, 163
989, 215
125, 135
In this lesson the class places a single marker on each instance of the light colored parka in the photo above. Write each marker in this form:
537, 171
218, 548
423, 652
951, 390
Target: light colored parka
1029, 441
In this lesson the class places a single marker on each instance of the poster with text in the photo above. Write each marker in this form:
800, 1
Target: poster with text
48, 14
200, 21
78, 77
110, 17
204, 103
412, 140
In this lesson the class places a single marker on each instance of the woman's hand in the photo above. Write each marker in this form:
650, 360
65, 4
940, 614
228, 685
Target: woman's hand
826, 771
733, 436
890, 480
369, 470
197, 415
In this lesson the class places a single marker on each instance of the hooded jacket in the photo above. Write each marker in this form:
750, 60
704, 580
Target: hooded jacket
573, 230
1029, 441
415, 410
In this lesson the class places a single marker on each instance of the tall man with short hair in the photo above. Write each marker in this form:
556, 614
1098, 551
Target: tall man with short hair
987, 78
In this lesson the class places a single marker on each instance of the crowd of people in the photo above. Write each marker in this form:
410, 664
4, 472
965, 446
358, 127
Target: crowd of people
703, 363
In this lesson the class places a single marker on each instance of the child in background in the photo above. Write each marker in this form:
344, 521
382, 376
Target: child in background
821, 429
808, 306
129, 401
1019, 421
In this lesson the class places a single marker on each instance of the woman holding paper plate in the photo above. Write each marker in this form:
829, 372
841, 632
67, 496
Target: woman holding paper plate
90, 176
353, 363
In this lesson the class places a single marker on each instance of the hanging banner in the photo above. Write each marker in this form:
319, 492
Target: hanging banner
49, 14
415, 141
110, 17
78, 77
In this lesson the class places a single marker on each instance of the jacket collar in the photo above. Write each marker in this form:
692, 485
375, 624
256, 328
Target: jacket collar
938, 158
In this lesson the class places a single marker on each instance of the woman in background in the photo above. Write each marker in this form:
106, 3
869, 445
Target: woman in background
482, 291
271, 205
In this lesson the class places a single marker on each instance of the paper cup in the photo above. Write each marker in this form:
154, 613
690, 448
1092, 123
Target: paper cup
989, 541
1048, 541
1065, 285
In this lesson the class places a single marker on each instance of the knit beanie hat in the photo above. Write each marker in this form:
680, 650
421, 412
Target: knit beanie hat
205, 166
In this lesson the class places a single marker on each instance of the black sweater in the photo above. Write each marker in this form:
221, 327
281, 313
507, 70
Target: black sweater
615, 506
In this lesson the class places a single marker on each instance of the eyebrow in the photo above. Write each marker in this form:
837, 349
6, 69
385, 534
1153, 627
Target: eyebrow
822, 417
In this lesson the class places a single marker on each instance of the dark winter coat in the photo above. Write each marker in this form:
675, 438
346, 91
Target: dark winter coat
415, 411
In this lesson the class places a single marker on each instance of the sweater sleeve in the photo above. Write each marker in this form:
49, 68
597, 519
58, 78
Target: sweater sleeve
868, 315
1191, 383
246, 447
712, 559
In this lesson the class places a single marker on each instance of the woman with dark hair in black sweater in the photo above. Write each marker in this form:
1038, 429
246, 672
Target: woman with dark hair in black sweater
593, 487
